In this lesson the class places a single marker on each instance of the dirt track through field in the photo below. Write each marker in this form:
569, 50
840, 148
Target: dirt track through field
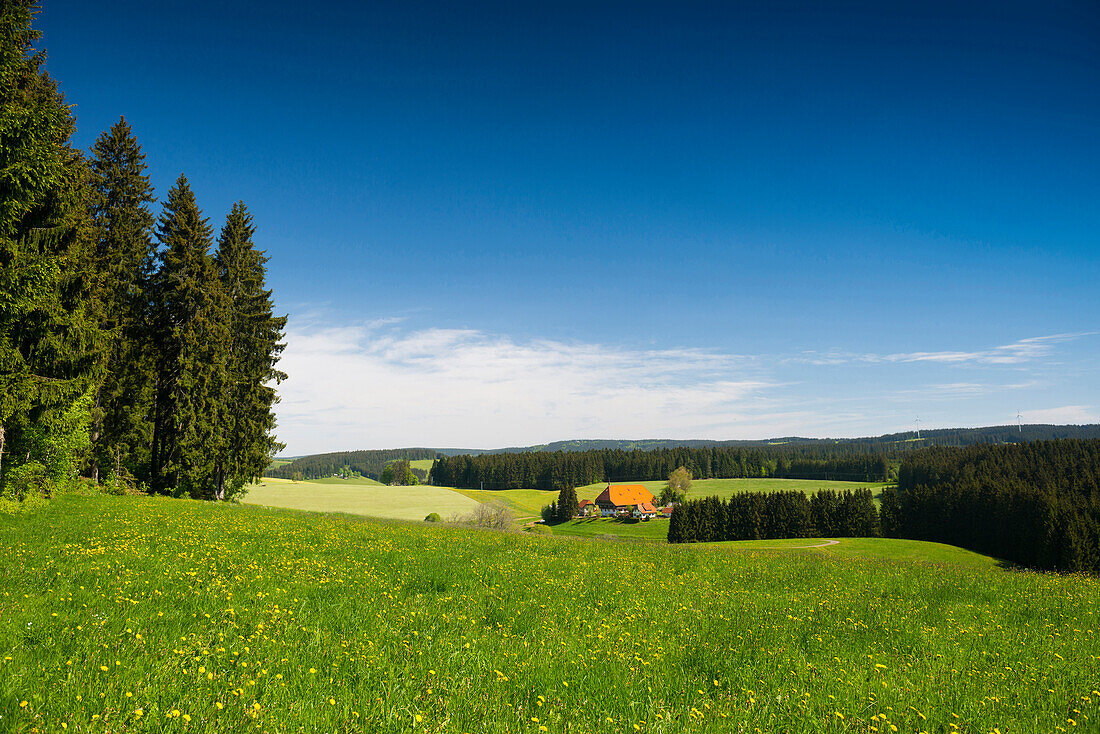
799, 547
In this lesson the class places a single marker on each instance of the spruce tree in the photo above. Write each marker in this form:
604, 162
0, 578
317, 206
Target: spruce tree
50, 343
567, 504
190, 334
252, 351
123, 224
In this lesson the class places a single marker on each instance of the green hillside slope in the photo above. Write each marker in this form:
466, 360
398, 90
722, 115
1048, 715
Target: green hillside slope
128, 614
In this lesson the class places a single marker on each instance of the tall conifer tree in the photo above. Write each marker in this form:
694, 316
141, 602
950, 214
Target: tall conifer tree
190, 334
49, 339
252, 351
123, 223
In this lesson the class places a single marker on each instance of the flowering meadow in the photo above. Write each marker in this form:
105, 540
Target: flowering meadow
142, 614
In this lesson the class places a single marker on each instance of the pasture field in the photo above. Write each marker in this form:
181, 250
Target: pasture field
598, 527
871, 549
524, 502
128, 614
425, 464
887, 549
350, 481
358, 497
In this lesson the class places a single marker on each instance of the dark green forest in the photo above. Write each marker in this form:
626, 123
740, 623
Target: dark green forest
541, 472
560, 469
135, 349
367, 463
1036, 504
770, 515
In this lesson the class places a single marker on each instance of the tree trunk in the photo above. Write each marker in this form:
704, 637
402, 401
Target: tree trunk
95, 461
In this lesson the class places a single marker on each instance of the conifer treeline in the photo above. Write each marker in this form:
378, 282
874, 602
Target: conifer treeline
770, 515
369, 463
128, 351
1036, 504
555, 470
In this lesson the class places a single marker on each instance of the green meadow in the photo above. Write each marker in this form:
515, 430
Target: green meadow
604, 527
359, 497
147, 614
363, 496
526, 503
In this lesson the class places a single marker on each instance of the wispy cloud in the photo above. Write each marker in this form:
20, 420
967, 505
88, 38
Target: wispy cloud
442, 386
1024, 350
1065, 414
379, 383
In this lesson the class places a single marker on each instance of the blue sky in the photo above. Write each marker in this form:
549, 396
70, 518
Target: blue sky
509, 223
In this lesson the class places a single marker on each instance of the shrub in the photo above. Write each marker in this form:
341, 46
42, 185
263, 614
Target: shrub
29, 480
550, 512
433, 517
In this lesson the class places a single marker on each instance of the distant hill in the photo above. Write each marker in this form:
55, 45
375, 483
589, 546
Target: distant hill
934, 437
370, 463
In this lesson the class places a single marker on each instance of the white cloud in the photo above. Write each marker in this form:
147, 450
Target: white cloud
379, 384
1066, 414
365, 386
1024, 350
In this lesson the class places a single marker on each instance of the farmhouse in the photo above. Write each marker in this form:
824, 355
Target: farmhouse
646, 510
621, 498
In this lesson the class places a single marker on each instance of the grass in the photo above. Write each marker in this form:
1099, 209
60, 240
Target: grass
359, 497
142, 614
415, 503
598, 527
882, 549
524, 502
349, 482
424, 464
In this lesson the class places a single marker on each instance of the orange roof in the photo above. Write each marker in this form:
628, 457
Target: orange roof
584, 503
624, 494
646, 507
